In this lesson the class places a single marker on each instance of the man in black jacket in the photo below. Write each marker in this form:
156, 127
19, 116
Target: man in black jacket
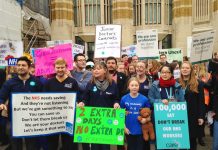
118, 77
22, 83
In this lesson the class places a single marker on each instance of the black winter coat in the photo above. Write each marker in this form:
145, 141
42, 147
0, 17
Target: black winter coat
195, 109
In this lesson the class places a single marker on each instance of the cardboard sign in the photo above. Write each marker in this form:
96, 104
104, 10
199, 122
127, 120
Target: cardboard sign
108, 41
10, 49
171, 125
45, 58
99, 125
36, 114
202, 46
172, 54
76, 48
129, 50
147, 43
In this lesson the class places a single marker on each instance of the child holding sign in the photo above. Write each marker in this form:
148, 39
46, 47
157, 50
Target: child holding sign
133, 102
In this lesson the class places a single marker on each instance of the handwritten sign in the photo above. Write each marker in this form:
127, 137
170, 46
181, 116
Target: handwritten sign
10, 49
147, 43
42, 113
171, 125
99, 125
77, 49
202, 46
45, 58
107, 41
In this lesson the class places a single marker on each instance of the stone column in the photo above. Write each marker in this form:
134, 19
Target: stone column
62, 24
182, 23
123, 14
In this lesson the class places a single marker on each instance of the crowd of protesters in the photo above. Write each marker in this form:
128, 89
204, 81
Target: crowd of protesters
115, 83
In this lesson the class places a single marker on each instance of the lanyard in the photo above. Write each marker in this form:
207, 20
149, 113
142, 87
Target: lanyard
169, 96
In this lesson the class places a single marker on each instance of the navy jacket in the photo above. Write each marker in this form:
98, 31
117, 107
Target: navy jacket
17, 85
94, 97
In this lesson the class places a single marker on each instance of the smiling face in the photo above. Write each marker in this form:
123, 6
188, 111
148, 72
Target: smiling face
185, 69
140, 68
60, 69
165, 73
22, 68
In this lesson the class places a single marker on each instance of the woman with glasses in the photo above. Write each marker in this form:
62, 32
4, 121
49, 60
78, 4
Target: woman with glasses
194, 97
165, 89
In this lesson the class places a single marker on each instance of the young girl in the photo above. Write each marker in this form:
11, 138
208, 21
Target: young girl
133, 102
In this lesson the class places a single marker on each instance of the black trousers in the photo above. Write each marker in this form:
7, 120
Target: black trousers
17, 143
135, 142
67, 142
100, 147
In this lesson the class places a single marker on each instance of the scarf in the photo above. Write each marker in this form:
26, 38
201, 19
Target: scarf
167, 83
102, 85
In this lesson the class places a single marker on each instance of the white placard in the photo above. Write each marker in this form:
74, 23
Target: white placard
189, 46
42, 113
107, 41
77, 49
129, 50
147, 43
10, 49
202, 46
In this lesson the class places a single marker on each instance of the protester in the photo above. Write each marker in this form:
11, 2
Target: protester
101, 91
119, 78
22, 83
132, 103
153, 67
131, 70
82, 76
135, 59
61, 83
163, 59
121, 68
194, 97
166, 89
215, 113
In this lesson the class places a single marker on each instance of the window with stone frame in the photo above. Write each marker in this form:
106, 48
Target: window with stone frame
137, 12
152, 11
92, 12
201, 10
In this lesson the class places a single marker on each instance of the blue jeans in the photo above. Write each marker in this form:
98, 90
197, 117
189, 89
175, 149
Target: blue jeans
215, 135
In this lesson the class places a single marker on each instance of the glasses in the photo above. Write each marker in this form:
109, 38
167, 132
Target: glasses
165, 72
81, 60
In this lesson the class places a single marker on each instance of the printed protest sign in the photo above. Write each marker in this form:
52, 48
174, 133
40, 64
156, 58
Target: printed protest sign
10, 49
172, 54
42, 113
99, 125
45, 58
12, 61
147, 43
171, 125
129, 50
202, 46
107, 41
76, 48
